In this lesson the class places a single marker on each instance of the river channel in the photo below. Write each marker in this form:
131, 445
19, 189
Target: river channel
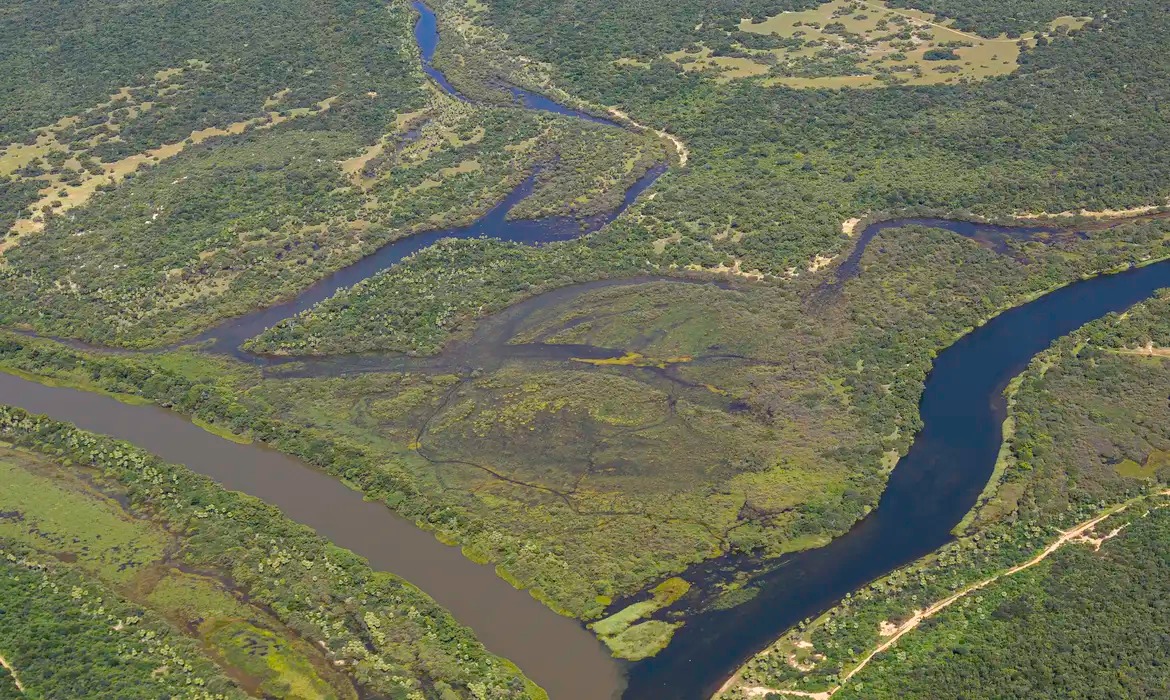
929, 491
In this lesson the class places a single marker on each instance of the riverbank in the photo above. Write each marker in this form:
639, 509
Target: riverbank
1050, 493
1077, 534
227, 405
472, 592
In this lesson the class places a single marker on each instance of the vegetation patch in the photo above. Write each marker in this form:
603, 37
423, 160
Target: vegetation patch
642, 640
857, 43
56, 513
630, 639
66, 635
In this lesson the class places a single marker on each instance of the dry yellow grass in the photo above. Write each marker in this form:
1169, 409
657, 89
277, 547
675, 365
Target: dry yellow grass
353, 167
60, 196
465, 166
884, 46
724, 67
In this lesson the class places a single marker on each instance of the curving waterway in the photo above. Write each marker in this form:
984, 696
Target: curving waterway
928, 493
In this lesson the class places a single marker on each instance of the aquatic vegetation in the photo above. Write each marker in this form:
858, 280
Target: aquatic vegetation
633, 640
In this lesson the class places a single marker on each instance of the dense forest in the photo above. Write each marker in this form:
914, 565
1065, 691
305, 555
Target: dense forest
774, 171
1085, 624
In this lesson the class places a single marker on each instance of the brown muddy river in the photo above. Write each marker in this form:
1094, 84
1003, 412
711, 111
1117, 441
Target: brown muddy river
556, 652
929, 491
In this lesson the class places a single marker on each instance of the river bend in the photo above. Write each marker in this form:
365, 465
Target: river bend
929, 491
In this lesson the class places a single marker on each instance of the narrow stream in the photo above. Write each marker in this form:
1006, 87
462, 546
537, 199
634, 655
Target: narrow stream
928, 493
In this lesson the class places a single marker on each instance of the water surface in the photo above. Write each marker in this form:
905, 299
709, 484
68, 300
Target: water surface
554, 651
928, 493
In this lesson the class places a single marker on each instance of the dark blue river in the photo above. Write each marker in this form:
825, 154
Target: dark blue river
929, 491
227, 336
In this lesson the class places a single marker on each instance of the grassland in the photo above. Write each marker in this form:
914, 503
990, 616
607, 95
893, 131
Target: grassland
630, 639
854, 43
774, 170
64, 516
66, 635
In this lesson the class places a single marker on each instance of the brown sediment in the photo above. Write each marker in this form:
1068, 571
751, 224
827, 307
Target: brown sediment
820, 262
1149, 350
1099, 214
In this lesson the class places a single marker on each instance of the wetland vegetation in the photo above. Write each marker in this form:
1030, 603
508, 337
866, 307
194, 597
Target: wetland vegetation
723, 437
605, 446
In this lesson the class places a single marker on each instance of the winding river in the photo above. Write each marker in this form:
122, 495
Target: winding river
929, 491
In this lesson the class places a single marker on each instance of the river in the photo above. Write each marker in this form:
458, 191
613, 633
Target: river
929, 491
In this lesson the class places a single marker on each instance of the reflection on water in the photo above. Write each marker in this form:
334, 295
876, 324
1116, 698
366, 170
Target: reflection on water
929, 491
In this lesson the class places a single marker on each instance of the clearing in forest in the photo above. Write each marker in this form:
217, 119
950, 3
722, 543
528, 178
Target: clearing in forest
857, 43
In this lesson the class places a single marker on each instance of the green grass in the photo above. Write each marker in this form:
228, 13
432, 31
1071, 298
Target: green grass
631, 640
194, 598
56, 511
65, 517
221, 431
263, 654
642, 640
1133, 470
77, 382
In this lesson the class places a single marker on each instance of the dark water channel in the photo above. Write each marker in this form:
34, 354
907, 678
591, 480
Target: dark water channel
227, 336
928, 493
